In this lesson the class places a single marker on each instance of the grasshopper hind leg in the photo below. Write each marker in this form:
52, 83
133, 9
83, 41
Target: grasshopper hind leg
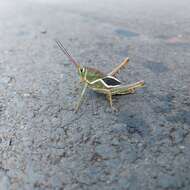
130, 89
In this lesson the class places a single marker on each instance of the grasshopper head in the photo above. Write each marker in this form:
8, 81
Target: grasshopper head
82, 72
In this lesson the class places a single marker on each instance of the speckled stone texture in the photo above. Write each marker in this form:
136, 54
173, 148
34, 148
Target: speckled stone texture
45, 145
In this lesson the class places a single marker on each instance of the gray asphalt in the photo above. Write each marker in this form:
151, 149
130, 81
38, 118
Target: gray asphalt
45, 145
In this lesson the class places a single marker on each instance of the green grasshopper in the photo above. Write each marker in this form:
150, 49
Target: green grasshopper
96, 80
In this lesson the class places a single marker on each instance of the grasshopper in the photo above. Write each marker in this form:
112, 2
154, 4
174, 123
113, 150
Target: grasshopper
96, 80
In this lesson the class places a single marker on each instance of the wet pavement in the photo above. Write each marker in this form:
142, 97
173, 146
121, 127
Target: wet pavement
45, 145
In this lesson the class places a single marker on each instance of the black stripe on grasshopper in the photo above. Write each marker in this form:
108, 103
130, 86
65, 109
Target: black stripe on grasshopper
108, 82
111, 81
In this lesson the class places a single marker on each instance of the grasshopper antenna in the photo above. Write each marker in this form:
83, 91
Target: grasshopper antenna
64, 50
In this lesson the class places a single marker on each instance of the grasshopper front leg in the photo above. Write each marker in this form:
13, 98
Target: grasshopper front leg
81, 96
108, 94
109, 97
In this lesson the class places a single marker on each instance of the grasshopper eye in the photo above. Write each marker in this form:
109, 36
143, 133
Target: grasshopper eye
82, 70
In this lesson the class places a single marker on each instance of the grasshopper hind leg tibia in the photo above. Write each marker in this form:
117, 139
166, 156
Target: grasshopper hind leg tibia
119, 67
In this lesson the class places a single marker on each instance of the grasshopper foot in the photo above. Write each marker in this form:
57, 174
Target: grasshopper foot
114, 109
76, 108
111, 109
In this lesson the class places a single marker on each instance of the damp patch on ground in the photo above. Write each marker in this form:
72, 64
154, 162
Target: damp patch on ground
126, 33
156, 67
181, 116
134, 123
165, 104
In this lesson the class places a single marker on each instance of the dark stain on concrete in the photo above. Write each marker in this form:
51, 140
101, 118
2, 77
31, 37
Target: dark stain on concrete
135, 123
182, 116
156, 67
126, 33
165, 104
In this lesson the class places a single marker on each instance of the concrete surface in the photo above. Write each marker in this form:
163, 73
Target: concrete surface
44, 145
